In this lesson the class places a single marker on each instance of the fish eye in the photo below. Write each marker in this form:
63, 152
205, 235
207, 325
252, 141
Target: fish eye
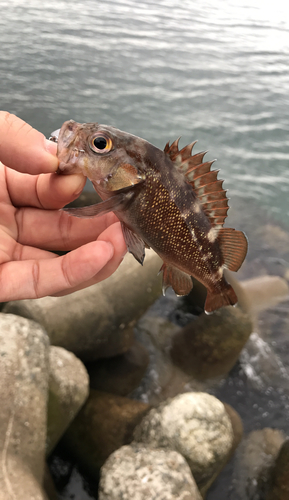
100, 143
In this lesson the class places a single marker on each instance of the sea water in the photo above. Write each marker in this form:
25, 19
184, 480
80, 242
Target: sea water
207, 70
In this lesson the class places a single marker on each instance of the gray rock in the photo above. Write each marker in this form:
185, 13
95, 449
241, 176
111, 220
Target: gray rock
121, 374
23, 394
68, 390
210, 345
262, 366
105, 423
279, 482
197, 426
139, 473
98, 321
255, 458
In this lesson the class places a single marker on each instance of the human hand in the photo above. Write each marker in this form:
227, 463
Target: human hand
32, 227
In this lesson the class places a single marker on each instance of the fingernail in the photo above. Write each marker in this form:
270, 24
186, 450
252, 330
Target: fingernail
74, 184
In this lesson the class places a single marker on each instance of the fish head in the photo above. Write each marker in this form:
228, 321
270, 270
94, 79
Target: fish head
110, 158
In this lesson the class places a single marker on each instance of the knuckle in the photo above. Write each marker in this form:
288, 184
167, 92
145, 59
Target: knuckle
67, 271
36, 278
65, 225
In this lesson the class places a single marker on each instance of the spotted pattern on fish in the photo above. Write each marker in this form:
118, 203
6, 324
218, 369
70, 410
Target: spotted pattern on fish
168, 200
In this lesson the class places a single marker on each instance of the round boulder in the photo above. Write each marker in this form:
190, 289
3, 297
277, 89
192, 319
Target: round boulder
138, 472
197, 426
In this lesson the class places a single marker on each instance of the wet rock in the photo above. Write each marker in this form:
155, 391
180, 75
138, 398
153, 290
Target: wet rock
263, 366
23, 394
210, 345
255, 459
279, 483
140, 473
121, 374
162, 378
197, 426
98, 321
68, 390
106, 422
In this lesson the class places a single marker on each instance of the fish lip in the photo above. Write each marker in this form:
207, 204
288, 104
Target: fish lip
54, 135
65, 168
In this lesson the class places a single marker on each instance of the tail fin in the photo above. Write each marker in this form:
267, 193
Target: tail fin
215, 300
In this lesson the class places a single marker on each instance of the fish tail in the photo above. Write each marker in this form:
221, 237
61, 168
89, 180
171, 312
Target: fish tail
217, 299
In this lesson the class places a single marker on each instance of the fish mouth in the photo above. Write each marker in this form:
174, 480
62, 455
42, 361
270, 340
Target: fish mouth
68, 149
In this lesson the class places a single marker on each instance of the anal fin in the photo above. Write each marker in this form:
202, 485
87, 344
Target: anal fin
135, 244
180, 282
234, 246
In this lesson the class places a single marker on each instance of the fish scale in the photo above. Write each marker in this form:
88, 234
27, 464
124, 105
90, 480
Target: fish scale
168, 200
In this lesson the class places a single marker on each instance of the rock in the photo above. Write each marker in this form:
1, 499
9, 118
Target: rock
97, 322
257, 294
254, 461
68, 390
23, 394
279, 483
273, 237
237, 427
106, 422
210, 345
262, 366
197, 426
162, 378
49, 486
139, 473
86, 198
121, 374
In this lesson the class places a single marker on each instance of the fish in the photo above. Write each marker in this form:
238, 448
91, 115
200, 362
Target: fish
169, 200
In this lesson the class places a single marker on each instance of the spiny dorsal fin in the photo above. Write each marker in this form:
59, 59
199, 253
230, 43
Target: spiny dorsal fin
203, 180
234, 246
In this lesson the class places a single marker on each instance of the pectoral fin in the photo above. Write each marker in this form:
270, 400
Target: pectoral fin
180, 282
134, 243
114, 203
234, 246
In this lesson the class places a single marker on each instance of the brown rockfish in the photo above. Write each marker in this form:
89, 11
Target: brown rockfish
168, 200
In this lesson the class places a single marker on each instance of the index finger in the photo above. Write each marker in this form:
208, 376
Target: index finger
23, 148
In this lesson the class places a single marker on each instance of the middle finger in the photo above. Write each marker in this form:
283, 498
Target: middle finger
56, 230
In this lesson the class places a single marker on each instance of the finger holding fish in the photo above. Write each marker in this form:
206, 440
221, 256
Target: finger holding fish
42, 273
65, 232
